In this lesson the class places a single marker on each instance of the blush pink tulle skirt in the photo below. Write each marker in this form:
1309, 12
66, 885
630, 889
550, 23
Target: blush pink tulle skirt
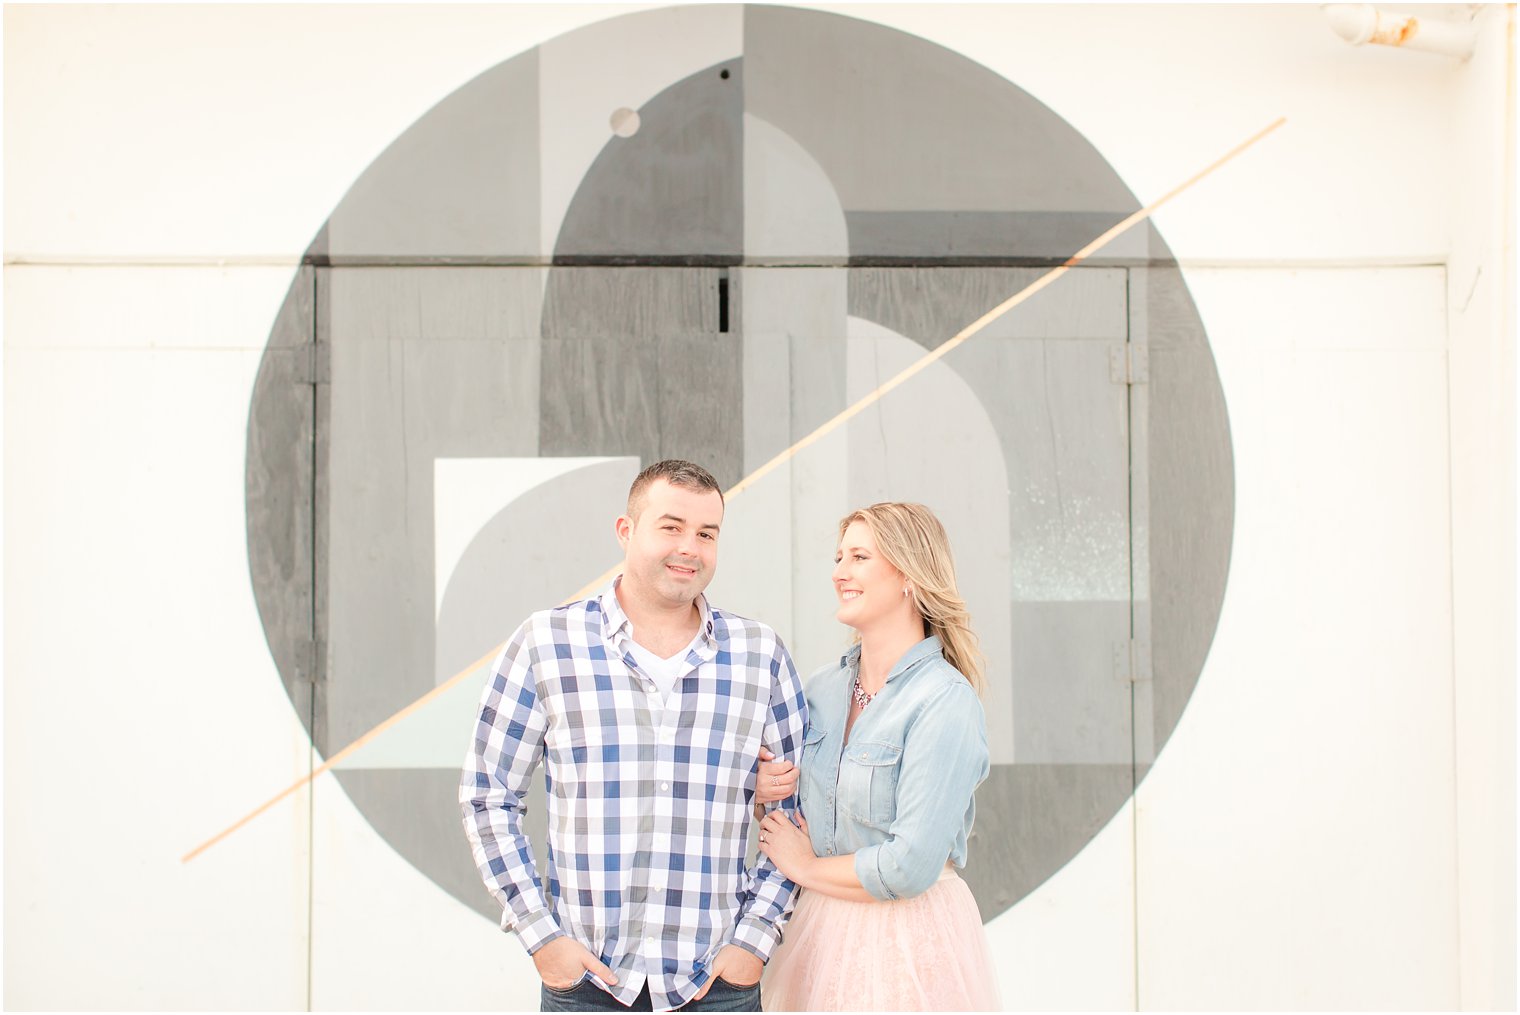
927, 953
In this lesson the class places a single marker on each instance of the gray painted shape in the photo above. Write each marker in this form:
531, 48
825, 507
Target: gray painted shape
1191, 507
673, 191
1142, 690
935, 444
458, 304
622, 62
1032, 819
847, 119
639, 303
534, 552
817, 371
969, 237
528, 557
957, 136
818, 378
700, 398
1062, 420
1068, 464
278, 480
1070, 705
781, 305
1041, 373
461, 184
321, 507
417, 812
932, 305
316, 251
794, 373
599, 399
1186, 522
634, 364
791, 213
423, 367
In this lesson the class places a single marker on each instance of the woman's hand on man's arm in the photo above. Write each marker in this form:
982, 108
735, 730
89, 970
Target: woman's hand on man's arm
776, 781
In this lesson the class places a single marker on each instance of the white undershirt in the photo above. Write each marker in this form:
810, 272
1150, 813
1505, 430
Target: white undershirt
664, 672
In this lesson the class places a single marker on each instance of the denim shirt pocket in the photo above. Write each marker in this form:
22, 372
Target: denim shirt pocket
868, 782
814, 777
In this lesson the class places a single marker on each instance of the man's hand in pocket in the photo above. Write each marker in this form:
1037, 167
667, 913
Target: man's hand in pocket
562, 961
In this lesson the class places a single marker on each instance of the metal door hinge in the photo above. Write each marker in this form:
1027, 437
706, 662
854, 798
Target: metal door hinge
1129, 363
315, 367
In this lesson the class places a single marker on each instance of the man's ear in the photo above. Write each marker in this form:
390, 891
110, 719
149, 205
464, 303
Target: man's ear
623, 528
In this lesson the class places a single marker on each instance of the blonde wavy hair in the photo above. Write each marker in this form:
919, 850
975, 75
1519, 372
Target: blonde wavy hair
913, 541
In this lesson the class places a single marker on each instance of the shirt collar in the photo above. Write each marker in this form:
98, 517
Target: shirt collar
930, 646
616, 621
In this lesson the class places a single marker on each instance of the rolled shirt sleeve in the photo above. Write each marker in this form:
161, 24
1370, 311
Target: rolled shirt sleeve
508, 745
769, 901
944, 759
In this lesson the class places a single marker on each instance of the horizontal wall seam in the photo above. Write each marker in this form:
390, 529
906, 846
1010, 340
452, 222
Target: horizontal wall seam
1278, 264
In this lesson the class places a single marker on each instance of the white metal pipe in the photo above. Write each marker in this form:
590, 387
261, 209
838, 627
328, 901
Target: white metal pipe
1363, 23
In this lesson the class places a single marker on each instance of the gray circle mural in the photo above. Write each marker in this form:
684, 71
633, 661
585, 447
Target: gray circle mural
702, 232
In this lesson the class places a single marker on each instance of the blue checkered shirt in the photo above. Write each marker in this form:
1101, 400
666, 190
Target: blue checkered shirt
650, 803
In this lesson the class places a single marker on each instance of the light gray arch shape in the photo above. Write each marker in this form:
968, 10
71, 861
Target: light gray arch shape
459, 186
529, 556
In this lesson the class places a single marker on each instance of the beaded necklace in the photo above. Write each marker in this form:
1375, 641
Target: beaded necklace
861, 697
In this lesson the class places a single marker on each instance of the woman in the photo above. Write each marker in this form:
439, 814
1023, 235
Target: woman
895, 748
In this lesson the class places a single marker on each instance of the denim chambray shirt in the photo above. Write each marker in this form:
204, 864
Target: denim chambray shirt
901, 794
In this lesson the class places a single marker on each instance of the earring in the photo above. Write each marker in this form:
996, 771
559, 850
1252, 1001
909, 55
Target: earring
907, 591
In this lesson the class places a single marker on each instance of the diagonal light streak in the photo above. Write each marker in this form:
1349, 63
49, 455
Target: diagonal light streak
822, 431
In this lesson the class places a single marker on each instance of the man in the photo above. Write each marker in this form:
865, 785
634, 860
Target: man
649, 709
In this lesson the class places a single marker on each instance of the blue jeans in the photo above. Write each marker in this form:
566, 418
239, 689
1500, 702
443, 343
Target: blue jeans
587, 996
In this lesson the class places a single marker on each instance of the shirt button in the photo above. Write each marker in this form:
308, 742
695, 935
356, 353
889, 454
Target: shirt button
664, 786
667, 736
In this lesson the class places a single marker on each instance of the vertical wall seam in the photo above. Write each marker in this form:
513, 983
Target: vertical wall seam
1129, 504
1451, 607
311, 751
311, 856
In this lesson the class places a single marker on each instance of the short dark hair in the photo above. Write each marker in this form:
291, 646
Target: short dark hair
675, 472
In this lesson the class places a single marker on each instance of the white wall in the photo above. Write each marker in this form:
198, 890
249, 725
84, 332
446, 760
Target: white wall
1332, 824
1295, 845
1481, 327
